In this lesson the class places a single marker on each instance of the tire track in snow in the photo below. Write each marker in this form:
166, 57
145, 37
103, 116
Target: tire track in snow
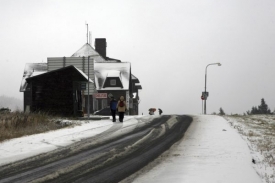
108, 157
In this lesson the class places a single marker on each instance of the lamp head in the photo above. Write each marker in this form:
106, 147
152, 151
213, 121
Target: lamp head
219, 64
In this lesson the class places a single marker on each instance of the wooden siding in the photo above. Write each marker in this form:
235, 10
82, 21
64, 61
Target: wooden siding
79, 62
27, 99
57, 92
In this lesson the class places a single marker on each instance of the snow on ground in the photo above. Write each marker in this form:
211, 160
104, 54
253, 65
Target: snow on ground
212, 150
27, 146
259, 133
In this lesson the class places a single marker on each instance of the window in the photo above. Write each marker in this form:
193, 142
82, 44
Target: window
95, 103
112, 82
104, 103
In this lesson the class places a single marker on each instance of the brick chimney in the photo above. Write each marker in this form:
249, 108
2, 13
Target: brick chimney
100, 46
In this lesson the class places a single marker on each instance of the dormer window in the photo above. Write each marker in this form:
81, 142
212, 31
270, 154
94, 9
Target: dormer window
113, 79
113, 82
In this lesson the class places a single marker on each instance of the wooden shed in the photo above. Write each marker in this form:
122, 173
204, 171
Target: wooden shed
58, 91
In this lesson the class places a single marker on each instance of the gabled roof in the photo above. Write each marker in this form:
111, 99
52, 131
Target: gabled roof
32, 69
82, 74
87, 50
135, 79
108, 59
113, 74
122, 70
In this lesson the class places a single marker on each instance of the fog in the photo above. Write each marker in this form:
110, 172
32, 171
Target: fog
169, 45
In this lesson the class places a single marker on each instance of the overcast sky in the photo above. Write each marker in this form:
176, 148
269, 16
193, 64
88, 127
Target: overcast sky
168, 42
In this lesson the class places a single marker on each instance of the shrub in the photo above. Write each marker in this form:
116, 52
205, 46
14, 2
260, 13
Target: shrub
18, 124
4, 110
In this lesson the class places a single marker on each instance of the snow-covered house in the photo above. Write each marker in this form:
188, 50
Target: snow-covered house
115, 79
115, 76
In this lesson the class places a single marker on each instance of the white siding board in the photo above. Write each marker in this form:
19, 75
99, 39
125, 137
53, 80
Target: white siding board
56, 65
79, 66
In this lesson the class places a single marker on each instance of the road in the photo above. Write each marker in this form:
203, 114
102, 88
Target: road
108, 157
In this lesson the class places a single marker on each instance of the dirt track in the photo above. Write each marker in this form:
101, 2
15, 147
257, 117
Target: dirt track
108, 157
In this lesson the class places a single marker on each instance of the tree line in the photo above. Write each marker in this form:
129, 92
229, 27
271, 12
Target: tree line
261, 109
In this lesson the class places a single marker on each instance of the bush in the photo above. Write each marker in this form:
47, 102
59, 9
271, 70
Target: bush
4, 110
18, 124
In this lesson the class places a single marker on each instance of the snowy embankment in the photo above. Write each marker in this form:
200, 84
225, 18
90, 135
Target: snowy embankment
259, 133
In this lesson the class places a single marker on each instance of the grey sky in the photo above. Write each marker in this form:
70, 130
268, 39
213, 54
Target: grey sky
168, 42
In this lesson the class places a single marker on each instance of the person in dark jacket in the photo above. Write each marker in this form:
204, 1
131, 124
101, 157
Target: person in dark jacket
113, 105
160, 111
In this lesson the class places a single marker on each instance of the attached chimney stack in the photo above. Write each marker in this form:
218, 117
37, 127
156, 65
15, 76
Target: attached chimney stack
100, 46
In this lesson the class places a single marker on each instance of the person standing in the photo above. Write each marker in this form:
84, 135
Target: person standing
113, 106
121, 108
160, 111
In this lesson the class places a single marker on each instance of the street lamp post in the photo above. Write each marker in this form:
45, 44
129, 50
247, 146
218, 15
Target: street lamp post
88, 103
205, 95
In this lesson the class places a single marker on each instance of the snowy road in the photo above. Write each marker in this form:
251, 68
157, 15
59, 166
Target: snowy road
107, 157
210, 151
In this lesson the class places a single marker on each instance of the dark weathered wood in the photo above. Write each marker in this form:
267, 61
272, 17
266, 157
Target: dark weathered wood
57, 92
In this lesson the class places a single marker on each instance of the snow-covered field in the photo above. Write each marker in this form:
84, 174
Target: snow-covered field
214, 149
259, 133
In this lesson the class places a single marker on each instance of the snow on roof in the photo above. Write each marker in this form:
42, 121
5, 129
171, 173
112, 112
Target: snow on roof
113, 74
135, 79
119, 69
70, 66
87, 50
83, 74
32, 69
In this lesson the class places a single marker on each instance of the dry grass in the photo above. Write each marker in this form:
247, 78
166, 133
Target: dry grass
259, 130
18, 124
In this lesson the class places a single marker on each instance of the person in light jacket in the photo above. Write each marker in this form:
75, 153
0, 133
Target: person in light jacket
121, 108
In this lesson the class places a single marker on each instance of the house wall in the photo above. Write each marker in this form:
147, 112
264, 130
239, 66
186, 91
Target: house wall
56, 93
136, 104
116, 94
27, 101
47, 97
80, 63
